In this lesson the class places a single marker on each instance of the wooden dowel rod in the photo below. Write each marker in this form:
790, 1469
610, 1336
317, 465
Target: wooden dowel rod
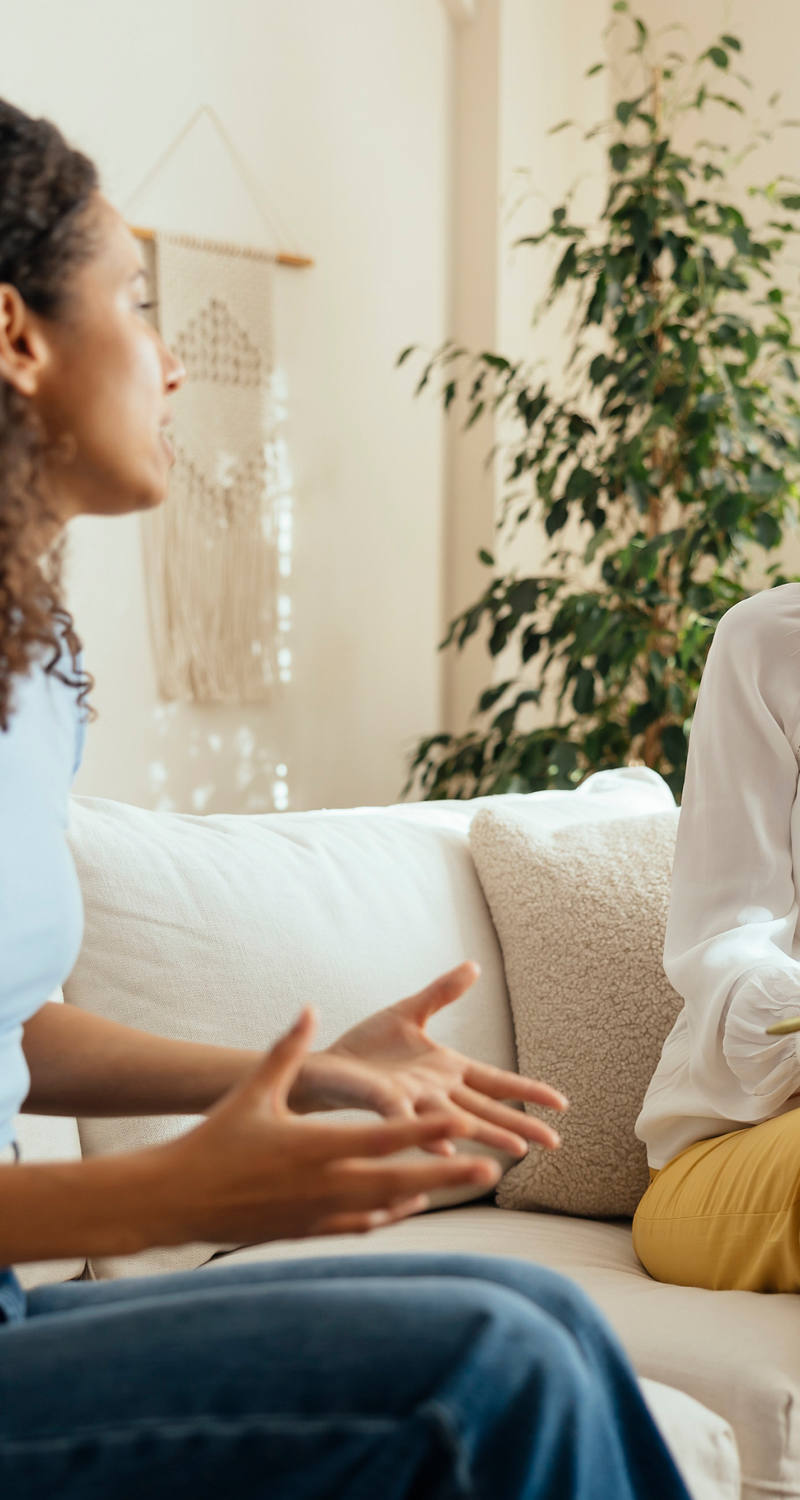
282, 258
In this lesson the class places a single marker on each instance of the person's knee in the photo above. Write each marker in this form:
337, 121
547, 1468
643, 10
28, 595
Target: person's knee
519, 1343
557, 1294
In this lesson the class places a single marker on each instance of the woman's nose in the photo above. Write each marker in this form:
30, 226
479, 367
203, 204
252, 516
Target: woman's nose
176, 374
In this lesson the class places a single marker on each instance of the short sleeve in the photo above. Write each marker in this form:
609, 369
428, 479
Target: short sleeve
729, 943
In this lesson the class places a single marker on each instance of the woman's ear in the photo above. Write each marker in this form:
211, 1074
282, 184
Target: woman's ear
23, 347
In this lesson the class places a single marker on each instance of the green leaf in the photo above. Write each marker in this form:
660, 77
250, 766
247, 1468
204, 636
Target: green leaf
486, 557
522, 597
471, 622
405, 354
620, 6
767, 530
595, 68
674, 743
566, 266
732, 42
718, 56
583, 696
562, 125
531, 642
493, 695
624, 110
499, 636
425, 378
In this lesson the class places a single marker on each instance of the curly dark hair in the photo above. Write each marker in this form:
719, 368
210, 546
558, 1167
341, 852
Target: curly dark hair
46, 232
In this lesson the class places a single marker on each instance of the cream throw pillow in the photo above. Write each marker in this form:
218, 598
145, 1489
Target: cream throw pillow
581, 914
220, 927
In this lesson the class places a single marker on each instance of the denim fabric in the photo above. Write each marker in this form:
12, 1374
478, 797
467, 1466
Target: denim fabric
12, 1297
383, 1377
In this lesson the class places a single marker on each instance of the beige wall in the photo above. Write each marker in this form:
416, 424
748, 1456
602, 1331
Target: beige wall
342, 112
519, 69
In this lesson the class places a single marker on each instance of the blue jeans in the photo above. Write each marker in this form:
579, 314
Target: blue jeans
369, 1377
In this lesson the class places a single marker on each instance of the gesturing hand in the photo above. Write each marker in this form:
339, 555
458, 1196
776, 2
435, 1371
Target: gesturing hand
388, 1063
253, 1170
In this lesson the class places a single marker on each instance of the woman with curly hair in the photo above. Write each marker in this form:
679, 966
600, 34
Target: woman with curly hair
338, 1378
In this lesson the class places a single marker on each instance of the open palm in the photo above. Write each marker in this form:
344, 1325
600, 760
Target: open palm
388, 1063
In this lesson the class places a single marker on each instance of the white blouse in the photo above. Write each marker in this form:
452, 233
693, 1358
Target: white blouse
731, 948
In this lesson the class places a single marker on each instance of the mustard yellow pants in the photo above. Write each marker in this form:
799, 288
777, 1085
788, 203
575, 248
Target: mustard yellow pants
725, 1213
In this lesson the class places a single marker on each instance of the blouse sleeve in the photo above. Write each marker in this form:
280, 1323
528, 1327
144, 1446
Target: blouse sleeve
728, 947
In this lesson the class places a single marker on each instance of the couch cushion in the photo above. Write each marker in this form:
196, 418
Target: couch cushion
48, 1138
738, 1353
581, 912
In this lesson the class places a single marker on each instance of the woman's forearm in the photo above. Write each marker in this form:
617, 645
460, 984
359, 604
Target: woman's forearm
82, 1064
108, 1205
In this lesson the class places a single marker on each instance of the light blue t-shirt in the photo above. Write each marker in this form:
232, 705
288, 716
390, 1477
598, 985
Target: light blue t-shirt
41, 911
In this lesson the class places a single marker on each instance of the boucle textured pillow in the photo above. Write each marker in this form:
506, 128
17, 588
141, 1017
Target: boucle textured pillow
581, 914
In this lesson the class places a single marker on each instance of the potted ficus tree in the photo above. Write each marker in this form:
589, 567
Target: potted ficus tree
677, 441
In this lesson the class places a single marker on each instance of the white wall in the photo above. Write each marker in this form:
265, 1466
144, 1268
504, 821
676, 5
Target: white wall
342, 112
519, 70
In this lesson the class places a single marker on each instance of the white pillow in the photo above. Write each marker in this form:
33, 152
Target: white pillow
219, 928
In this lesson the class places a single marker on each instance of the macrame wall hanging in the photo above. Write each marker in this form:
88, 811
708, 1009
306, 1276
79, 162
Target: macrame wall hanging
210, 550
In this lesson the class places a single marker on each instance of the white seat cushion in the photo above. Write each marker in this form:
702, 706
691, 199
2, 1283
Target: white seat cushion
738, 1353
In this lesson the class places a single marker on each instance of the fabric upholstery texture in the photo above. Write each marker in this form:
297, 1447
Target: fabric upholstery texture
580, 912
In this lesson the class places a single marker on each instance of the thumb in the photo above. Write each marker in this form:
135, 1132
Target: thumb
279, 1067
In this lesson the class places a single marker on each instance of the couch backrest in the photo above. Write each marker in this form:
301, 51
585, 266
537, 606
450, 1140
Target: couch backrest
220, 927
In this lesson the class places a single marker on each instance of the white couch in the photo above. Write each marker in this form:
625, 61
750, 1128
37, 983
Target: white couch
220, 927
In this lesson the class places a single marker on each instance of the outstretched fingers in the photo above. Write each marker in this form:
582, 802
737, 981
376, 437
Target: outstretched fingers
499, 1084
383, 1137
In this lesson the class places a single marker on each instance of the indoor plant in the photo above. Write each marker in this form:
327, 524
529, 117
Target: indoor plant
687, 406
